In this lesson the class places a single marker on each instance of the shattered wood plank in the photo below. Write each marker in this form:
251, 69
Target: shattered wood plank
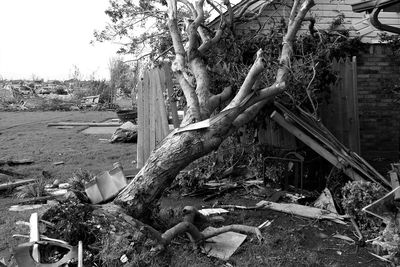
34, 235
16, 184
12, 162
315, 146
327, 138
90, 124
304, 211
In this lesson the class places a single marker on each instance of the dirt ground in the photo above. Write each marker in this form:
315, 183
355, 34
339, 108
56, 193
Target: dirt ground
289, 241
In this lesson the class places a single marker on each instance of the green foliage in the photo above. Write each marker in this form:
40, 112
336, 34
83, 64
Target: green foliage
393, 40
357, 195
37, 189
214, 165
121, 76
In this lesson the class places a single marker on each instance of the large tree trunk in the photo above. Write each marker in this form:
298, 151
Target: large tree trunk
181, 148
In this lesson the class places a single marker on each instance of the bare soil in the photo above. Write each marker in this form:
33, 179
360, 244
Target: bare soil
289, 241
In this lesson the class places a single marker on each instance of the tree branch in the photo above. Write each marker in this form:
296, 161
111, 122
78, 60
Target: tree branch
262, 96
252, 76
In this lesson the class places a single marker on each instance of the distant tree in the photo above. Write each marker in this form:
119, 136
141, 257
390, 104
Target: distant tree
76, 73
121, 76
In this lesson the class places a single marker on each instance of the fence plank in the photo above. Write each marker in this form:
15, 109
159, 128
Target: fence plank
152, 111
140, 107
146, 124
161, 105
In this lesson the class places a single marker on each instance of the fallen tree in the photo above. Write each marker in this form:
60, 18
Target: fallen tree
201, 131
178, 150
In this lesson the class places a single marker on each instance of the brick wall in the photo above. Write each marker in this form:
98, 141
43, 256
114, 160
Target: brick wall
379, 114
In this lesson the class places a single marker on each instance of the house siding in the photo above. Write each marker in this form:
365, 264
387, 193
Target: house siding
325, 11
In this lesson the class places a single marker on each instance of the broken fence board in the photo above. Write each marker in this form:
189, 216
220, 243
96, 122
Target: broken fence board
304, 211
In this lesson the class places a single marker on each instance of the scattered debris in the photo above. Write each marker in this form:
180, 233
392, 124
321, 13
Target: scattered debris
343, 237
325, 201
208, 212
13, 162
12, 185
89, 124
304, 211
265, 224
326, 145
223, 245
106, 185
64, 127
58, 163
26, 207
126, 133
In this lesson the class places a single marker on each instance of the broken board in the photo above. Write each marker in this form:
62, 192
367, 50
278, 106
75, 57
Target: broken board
223, 245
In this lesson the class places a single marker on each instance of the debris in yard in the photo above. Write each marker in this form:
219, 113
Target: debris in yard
325, 201
208, 212
343, 237
89, 124
58, 163
56, 192
106, 185
12, 162
265, 224
34, 235
304, 211
64, 127
12, 185
223, 245
126, 133
26, 207
24, 258
384, 207
314, 134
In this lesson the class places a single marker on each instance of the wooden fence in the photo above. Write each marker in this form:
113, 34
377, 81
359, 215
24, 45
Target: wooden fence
152, 111
340, 115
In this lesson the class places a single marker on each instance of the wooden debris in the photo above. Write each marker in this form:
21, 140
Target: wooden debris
344, 237
90, 124
13, 162
58, 163
208, 212
34, 235
344, 155
64, 127
12, 185
265, 224
325, 201
304, 211
26, 207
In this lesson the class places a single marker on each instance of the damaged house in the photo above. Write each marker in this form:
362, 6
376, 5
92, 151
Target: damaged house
362, 108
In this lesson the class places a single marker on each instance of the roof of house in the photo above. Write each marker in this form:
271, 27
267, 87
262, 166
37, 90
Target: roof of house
325, 12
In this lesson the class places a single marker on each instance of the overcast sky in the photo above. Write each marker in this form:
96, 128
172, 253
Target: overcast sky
46, 38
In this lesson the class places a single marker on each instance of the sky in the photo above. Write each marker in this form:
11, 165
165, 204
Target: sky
46, 38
